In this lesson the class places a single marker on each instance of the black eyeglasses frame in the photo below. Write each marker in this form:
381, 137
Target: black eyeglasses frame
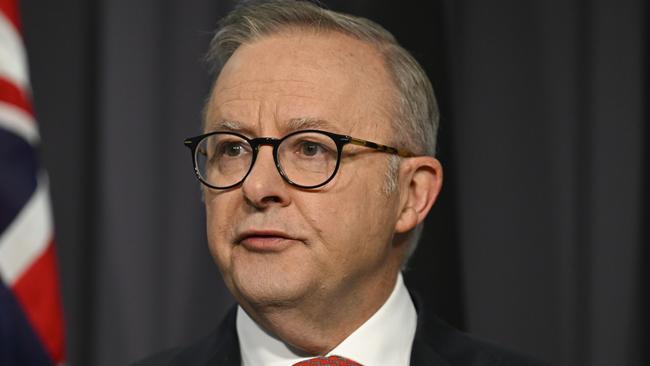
340, 140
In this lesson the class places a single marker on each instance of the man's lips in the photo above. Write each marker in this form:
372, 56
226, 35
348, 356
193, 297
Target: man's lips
265, 240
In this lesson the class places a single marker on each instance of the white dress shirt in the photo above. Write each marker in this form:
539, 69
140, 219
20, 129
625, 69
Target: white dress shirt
384, 339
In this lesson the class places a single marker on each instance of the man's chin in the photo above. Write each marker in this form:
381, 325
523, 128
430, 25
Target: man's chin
269, 287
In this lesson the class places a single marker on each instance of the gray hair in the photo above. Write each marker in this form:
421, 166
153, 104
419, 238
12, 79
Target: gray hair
416, 112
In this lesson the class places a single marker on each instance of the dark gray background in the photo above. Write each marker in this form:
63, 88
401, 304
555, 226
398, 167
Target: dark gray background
536, 243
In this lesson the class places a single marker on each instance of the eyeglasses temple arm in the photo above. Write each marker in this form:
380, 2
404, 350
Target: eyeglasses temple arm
391, 150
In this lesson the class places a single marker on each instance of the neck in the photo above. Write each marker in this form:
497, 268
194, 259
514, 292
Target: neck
316, 325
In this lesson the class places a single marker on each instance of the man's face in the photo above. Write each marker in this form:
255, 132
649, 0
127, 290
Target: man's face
276, 244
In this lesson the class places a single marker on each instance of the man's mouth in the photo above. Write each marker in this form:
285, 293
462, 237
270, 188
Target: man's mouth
265, 240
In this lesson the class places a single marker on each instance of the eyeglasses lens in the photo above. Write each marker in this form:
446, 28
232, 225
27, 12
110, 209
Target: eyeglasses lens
306, 159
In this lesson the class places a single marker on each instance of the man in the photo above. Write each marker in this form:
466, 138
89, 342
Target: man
318, 167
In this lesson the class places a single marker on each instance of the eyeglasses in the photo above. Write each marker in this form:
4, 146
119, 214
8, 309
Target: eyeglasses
306, 159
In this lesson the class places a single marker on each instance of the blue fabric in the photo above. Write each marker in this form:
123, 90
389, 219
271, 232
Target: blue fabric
18, 164
19, 344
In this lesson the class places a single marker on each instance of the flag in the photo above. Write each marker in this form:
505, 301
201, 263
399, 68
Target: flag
31, 320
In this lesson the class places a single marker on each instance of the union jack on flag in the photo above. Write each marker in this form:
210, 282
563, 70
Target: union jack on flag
31, 323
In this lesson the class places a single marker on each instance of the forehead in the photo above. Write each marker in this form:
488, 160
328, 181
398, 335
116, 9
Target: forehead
296, 75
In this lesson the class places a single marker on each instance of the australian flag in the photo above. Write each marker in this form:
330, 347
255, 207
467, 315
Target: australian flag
31, 323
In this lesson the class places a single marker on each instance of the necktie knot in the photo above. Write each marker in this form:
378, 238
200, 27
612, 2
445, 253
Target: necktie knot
328, 361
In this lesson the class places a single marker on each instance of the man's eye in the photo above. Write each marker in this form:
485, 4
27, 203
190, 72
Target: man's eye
309, 148
231, 149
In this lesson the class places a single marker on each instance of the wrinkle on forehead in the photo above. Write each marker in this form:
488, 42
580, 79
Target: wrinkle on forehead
257, 84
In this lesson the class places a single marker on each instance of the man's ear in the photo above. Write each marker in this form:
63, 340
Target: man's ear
420, 182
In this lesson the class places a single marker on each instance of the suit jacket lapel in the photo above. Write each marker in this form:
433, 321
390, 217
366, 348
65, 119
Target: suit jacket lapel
423, 352
226, 343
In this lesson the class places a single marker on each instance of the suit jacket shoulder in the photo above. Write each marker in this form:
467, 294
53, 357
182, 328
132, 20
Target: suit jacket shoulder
439, 344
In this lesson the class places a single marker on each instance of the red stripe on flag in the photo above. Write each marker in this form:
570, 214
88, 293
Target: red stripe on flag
12, 94
11, 11
37, 291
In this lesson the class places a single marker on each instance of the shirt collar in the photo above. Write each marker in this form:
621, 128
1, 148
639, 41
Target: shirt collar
385, 338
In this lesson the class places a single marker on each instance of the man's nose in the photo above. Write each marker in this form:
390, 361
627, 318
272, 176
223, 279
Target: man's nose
264, 186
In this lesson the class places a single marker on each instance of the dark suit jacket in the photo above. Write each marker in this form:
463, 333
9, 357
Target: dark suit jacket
435, 344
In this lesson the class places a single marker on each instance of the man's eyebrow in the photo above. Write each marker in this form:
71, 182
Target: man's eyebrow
306, 123
294, 124
226, 125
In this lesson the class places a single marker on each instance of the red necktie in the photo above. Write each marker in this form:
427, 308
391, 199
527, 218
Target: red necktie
327, 361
